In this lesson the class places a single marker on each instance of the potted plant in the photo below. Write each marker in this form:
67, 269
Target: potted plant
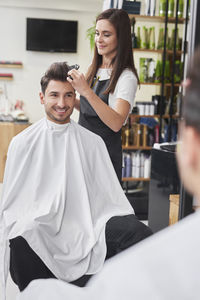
90, 34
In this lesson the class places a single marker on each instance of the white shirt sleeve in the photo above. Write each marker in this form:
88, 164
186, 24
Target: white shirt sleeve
125, 89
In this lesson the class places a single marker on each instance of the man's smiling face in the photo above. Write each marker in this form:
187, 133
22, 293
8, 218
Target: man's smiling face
59, 101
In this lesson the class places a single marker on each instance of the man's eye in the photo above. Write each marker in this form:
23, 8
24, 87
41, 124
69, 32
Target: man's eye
68, 95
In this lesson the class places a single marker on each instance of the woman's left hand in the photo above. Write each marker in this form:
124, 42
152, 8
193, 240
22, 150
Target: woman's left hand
78, 82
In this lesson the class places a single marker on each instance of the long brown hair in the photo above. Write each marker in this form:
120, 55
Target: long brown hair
124, 57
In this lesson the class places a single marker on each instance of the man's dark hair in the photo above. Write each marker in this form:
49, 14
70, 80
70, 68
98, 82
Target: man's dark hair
191, 102
57, 71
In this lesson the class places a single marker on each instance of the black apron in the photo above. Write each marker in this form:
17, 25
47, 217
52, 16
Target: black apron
90, 120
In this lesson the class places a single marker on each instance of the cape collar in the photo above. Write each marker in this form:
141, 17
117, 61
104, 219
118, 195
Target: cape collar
55, 126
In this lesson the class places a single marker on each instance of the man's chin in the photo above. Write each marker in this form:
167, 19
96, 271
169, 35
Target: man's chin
62, 121
59, 119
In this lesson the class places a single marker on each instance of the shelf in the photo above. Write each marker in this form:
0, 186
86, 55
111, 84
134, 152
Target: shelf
168, 116
159, 84
160, 51
135, 179
145, 116
11, 66
156, 19
6, 78
155, 116
175, 84
136, 148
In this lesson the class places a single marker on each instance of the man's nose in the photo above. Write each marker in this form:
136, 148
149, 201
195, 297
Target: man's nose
61, 102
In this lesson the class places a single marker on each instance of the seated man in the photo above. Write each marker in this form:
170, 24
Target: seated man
60, 192
165, 266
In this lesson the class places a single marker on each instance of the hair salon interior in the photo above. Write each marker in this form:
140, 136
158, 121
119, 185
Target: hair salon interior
164, 36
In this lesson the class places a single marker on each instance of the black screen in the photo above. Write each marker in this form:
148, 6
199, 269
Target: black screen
51, 35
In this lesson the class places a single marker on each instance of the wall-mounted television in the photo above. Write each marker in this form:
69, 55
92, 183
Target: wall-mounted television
51, 35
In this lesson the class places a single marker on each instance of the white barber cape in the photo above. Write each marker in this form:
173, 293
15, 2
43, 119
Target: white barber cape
59, 190
165, 266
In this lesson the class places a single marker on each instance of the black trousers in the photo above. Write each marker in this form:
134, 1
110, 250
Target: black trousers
26, 265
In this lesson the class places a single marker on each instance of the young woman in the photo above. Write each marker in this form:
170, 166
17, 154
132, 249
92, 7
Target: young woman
108, 90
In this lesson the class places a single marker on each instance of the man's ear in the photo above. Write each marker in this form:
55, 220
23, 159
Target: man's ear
41, 97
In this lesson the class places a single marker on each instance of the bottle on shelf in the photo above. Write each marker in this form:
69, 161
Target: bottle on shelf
145, 135
151, 70
171, 8
178, 71
138, 38
150, 7
147, 37
137, 165
134, 38
143, 70
180, 41
147, 7
142, 159
162, 8
126, 136
167, 71
131, 133
158, 71
172, 40
123, 164
137, 135
140, 106
160, 44
147, 70
156, 99
147, 166
141, 128
180, 8
133, 159
145, 108
174, 131
152, 38
128, 165
175, 103
153, 8
167, 39
156, 133
144, 38
123, 135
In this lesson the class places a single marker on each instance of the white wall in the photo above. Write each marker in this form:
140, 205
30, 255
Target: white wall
13, 13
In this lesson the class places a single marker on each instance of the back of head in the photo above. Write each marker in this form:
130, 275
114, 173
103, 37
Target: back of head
191, 102
188, 151
57, 71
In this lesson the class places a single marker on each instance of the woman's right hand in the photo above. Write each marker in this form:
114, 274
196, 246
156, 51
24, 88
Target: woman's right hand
78, 81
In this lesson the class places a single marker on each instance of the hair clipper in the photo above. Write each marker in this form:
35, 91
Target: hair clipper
76, 67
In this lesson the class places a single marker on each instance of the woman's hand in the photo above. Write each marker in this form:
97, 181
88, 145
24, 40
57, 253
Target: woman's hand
113, 118
78, 82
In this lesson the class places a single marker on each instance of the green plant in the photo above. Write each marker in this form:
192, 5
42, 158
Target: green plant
90, 34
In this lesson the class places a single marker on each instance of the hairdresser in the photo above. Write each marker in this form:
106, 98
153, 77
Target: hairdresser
107, 91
